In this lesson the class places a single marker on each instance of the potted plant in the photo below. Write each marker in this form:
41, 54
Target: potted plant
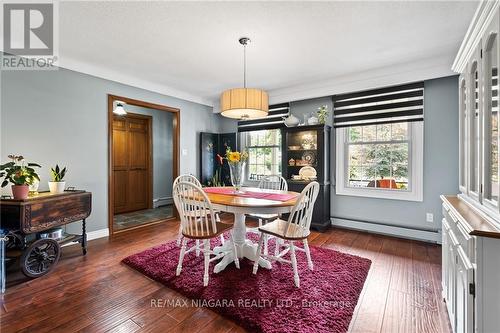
57, 184
20, 174
323, 114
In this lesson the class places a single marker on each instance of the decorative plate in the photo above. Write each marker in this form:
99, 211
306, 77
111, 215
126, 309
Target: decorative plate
310, 157
307, 172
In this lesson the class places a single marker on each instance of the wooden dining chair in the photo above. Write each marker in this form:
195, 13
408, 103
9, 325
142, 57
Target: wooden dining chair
295, 229
199, 223
272, 182
193, 180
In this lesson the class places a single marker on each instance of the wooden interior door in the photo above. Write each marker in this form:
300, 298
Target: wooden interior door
132, 163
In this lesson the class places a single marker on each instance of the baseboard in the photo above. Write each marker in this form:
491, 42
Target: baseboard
162, 201
402, 232
101, 233
97, 234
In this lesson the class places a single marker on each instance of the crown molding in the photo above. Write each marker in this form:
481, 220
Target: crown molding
426, 69
107, 74
391, 75
480, 21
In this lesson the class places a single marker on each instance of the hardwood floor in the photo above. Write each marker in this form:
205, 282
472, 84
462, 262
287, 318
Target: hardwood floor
97, 293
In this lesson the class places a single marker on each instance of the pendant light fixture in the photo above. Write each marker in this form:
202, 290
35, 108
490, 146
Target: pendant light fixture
244, 103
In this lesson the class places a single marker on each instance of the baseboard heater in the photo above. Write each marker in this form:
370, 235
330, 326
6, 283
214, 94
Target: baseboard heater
158, 202
387, 229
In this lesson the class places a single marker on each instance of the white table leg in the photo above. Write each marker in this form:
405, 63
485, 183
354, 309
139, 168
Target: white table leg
245, 248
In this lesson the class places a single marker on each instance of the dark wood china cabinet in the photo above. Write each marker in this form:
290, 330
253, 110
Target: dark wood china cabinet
305, 158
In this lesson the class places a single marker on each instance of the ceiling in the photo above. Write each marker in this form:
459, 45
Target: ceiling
190, 49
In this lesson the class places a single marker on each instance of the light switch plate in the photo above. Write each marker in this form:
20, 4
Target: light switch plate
184, 152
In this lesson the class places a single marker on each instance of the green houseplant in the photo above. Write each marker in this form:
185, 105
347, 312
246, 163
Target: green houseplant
20, 174
216, 181
57, 183
323, 114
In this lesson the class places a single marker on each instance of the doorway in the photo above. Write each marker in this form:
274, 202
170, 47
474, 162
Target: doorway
143, 162
132, 167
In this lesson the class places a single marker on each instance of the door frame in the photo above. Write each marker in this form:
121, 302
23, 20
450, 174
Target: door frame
176, 142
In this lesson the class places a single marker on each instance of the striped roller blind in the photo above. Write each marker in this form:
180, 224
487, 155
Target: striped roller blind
403, 103
273, 120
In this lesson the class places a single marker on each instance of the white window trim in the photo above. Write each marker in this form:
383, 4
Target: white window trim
242, 146
416, 192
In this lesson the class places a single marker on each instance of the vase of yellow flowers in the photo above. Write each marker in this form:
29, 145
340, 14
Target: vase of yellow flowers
236, 161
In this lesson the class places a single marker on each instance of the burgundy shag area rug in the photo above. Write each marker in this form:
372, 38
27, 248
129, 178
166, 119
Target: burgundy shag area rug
268, 301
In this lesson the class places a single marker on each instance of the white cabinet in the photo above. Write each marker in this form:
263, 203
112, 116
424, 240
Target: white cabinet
464, 302
451, 286
470, 268
444, 259
471, 223
478, 63
457, 276
450, 271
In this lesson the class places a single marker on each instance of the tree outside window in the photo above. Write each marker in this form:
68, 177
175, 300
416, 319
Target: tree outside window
264, 153
379, 156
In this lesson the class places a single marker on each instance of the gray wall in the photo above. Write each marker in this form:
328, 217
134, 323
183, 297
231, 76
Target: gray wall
163, 149
61, 117
305, 107
440, 163
228, 125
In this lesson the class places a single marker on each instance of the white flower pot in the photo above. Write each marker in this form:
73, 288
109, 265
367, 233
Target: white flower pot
57, 187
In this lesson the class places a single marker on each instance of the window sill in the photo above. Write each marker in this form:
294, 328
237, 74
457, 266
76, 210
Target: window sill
380, 194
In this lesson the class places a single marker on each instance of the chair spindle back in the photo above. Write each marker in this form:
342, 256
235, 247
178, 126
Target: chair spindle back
273, 182
301, 214
186, 178
195, 210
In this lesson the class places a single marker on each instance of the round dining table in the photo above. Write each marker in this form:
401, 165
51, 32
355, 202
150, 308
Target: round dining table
240, 205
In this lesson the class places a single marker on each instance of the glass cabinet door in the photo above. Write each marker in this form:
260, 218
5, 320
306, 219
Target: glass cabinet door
490, 107
463, 135
479, 132
475, 127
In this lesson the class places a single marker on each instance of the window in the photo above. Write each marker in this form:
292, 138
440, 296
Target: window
264, 153
380, 142
381, 161
378, 156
